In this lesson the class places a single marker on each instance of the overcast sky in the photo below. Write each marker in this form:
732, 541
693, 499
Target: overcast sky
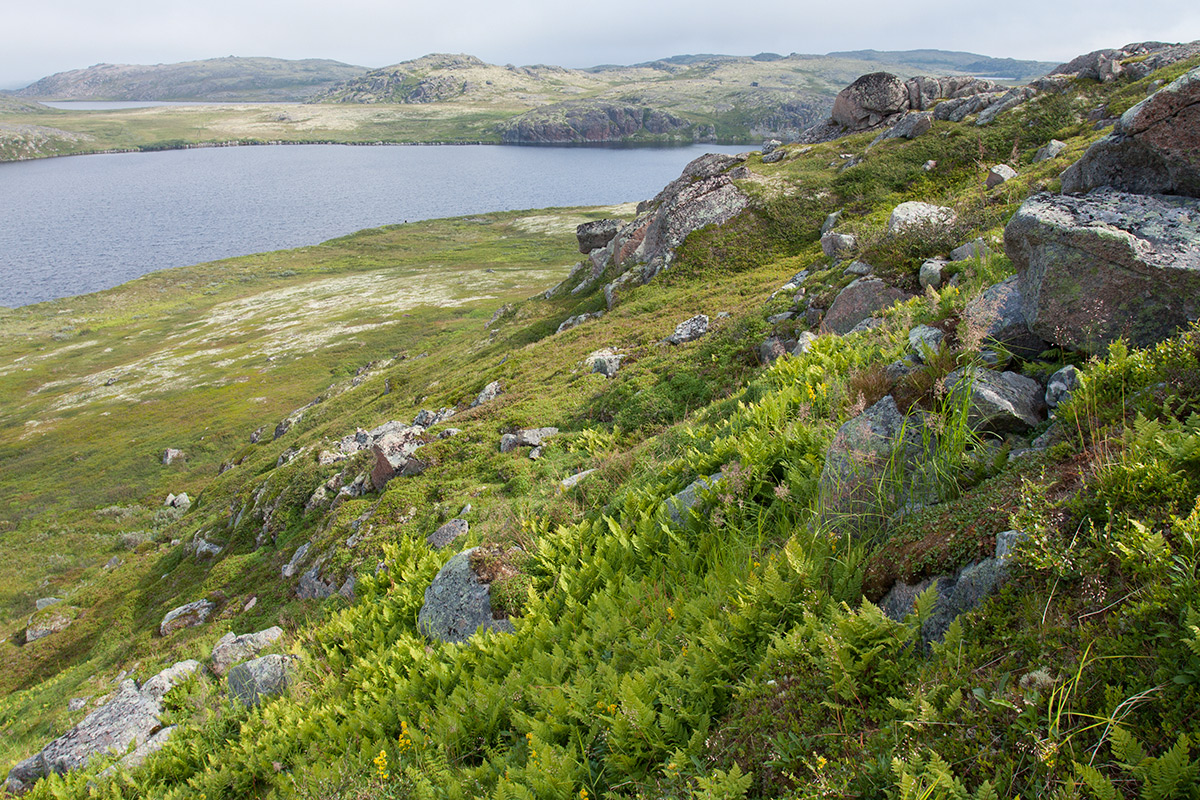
40, 38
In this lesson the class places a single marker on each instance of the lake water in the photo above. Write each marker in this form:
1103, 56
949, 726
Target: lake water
84, 223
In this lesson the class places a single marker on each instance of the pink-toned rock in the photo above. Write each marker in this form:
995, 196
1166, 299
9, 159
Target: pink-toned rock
857, 302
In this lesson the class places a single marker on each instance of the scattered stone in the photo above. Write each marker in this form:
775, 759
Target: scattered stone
925, 340
77, 704
857, 302
46, 602
427, 419
577, 320
508, 443
458, 604
915, 215
533, 437
447, 533
171, 455
1052, 149
185, 616
998, 318
931, 273
776, 319
311, 587
831, 222
1061, 384
774, 347
803, 341
489, 393
252, 681
1000, 401
836, 244
771, 146
570, 481
204, 548
49, 621
605, 362
448, 433
290, 568
774, 156
868, 324
689, 330
1005, 542
535, 453
158, 686
112, 563
1154, 148
680, 504
970, 251
874, 465
1107, 265
231, 649
929, 166
595, 235
859, 268
1001, 173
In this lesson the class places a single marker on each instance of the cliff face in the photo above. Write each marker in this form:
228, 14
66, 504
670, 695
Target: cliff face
595, 122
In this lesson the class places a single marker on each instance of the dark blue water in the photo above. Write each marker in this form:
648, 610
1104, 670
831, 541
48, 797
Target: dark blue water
75, 225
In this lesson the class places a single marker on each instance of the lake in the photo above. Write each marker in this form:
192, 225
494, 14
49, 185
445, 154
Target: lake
84, 223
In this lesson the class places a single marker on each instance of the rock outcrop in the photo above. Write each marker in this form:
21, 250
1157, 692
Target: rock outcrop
1107, 265
458, 604
130, 717
580, 122
996, 317
596, 235
1154, 147
185, 616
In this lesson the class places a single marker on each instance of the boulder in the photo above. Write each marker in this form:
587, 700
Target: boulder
171, 456
458, 604
925, 340
487, 394
874, 466
1154, 147
997, 317
1061, 384
771, 146
185, 616
857, 302
394, 456
931, 273
910, 126
859, 268
231, 649
680, 504
427, 419
774, 347
870, 101
1106, 265
915, 215
508, 443
252, 681
689, 330
606, 362
180, 500
49, 621
594, 235
834, 245
312, 587
1052, 149
130, 717
447, 533
999, 401
976, 248
804, 340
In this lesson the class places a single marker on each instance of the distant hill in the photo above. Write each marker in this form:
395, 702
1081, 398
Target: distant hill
231, 78
942, 60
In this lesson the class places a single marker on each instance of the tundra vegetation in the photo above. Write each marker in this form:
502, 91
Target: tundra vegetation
689, 619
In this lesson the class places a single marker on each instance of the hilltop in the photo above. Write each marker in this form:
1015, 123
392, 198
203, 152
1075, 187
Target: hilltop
213, 79
859, 466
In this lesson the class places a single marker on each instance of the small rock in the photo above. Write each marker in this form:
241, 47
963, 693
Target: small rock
1052, 149
49, 621
427, 419
231, 649
931, 273
605, 362
689, 330
46, 602
929, 166
803, 341
185, 616
533, 437
508, 443
915, 215
774, 347
1005, 542
773, 157
489, 393
252, 681
859, 268
1001, 173
289, 569
312, 587
171, 455
447, 533
836, 244
570, 481
925, 340
776, 319
771, 146
535, 454
1061, 384
831, 222
77, 704
971, 250
680, 504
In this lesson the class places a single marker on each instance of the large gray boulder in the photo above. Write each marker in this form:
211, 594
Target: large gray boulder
870, 101
185, 616
458, 604
996, 317
231, 649
999, 401
1106, 265
252, 681
594, 235
857, 302
130, 717
1154, 147
874, 466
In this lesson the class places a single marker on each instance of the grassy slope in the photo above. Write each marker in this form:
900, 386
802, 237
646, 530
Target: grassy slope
647, 659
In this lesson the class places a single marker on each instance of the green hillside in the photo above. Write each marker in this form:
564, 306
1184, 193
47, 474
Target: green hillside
670, 639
